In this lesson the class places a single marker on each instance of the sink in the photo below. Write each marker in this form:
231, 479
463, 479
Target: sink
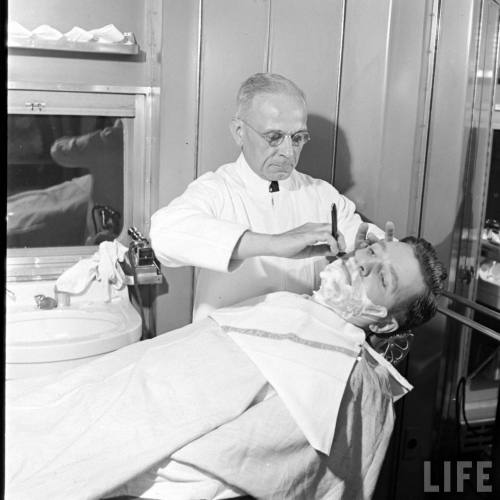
44, 341
53, 326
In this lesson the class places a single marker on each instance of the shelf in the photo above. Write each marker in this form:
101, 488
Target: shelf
127, 47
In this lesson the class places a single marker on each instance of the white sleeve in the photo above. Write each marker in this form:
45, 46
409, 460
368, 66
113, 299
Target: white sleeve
189, 232
349, 221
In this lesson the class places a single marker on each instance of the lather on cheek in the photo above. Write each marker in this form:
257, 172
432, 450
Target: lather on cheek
348, 300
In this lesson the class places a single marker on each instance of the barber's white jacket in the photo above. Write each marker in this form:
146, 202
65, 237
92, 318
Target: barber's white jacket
202, 226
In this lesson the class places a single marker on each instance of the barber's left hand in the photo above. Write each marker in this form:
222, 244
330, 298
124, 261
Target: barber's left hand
364, 239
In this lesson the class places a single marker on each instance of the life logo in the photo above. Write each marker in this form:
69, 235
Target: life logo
451, 476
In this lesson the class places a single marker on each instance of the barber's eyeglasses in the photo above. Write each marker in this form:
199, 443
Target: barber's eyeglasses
275, 137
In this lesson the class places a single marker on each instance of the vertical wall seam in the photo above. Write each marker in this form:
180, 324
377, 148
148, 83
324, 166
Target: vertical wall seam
198, 118
338, 93
384, 102
267, 55
415, 227
198, 89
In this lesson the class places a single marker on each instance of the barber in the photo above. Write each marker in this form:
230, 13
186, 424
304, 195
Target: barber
257, 225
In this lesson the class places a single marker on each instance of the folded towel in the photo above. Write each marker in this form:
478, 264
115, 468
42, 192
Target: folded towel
77, 34
103, 266
46, 32
108, 34
17, 30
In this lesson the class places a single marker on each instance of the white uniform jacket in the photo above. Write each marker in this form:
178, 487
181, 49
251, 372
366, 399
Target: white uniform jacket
202, 226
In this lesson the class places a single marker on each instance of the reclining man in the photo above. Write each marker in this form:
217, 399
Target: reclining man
278, 397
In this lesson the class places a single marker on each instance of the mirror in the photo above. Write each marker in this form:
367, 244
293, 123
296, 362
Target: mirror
65, 180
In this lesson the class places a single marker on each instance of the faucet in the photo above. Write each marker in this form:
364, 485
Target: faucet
62, 298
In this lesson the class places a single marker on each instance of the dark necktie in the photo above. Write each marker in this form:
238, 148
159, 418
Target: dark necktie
274, 186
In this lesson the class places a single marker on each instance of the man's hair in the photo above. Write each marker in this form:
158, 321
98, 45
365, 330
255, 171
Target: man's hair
417, 311
264, 83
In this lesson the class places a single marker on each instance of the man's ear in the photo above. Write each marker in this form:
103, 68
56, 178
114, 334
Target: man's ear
236, 131
387, 325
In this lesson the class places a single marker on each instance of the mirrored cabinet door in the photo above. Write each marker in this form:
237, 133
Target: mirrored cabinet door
64, 179
65, 168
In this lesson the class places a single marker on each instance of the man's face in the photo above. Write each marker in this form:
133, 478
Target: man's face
271, 112
390, 273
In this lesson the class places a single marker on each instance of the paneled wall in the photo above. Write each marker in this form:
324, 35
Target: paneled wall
279, 36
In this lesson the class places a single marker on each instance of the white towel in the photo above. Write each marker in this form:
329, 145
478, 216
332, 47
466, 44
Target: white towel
77, 278
304, 350
77, 34
46, 32
17, 30
108, 34
109, 271
103, 266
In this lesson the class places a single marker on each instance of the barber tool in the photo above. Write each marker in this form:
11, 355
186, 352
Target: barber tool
146, 269
335, 233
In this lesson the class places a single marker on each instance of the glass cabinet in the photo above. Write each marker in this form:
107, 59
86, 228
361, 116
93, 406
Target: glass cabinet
78, 172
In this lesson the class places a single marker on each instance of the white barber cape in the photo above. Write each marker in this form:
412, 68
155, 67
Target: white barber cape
226, 405
202, 226
327, 391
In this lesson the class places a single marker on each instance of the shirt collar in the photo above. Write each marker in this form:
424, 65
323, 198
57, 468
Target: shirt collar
257, 184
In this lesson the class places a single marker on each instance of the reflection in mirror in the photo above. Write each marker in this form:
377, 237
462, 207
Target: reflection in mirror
64, 180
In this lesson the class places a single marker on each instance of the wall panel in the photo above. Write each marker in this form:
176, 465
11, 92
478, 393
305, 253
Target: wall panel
361, 100
305, 45
234, 45
383, 72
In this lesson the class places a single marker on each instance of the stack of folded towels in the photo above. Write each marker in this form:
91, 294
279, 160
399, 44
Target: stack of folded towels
106, 34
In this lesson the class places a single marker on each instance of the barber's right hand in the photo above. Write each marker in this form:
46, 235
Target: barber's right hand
309, 240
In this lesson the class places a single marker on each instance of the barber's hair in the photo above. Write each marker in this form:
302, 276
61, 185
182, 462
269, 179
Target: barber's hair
265, 83
419, 310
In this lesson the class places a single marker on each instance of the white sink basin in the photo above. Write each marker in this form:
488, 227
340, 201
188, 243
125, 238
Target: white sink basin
43, 341
53, 326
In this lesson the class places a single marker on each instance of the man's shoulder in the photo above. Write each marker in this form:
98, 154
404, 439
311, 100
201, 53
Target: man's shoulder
220, 174
214, 178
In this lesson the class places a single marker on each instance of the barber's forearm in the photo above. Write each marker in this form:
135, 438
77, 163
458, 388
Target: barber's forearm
252, 245
309, 240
